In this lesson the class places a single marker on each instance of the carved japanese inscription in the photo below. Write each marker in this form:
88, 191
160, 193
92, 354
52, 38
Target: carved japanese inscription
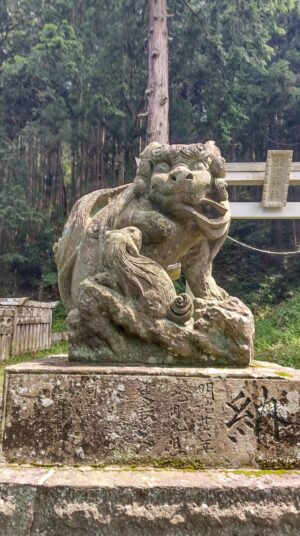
268, 412
135, 414
277, 178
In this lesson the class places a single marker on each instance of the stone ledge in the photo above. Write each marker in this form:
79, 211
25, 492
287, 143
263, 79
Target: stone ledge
145, 501
60, 364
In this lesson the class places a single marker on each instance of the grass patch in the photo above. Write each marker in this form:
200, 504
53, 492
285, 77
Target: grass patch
278, 333
55, 349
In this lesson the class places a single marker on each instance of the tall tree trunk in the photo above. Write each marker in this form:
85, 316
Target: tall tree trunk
97, 155
158, 78
102, 163
73, 177
121, 165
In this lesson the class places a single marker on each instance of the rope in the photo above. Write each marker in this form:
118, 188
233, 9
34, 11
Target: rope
263, 250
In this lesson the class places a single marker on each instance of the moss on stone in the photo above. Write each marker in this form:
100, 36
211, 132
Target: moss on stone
283, 374
256, 473
278, 465
162, 463
46, 465
179, 464
259, 364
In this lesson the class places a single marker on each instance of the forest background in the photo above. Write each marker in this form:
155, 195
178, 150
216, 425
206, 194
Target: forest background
73, 76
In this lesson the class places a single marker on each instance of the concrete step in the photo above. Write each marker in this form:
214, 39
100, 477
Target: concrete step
65, 501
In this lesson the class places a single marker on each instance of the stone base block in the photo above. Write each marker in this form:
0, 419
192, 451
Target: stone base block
147, 502
57, 412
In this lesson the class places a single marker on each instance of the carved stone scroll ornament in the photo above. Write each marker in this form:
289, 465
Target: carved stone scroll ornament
113, 256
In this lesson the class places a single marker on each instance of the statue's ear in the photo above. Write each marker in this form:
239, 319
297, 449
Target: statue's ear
217, 167
137, 161
140, 186
153, 148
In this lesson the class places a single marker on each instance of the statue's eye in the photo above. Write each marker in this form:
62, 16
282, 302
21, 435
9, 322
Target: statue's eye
162, 167
198, 166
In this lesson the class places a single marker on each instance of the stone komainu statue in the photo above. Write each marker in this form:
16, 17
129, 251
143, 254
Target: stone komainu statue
114, 254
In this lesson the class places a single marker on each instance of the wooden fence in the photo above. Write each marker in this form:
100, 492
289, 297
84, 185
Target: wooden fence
24, 326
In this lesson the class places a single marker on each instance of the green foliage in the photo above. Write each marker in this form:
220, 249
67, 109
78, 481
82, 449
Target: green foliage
232, 67
26, 243
49, 279
59, 318
258, 279
180, 285
278, 333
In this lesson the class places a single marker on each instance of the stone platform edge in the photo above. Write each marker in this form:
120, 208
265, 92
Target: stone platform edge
143, 501
59, 363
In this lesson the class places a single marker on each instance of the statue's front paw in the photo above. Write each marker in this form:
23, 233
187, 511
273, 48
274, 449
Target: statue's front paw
154, 226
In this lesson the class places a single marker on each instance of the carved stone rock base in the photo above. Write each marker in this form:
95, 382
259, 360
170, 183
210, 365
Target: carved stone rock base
108, 328
55, 412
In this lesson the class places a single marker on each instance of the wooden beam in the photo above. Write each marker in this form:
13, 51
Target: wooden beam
255, 211
253, 173
254, 166
245, 178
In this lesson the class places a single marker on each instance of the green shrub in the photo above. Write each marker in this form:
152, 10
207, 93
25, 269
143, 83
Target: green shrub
59, 318
278, 333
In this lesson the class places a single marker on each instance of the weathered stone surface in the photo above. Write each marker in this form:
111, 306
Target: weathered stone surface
113, 260
221, 332
277, 178
144, 502
17, 498
57, 412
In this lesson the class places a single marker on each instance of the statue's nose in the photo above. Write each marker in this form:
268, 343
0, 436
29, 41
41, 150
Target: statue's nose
180, 174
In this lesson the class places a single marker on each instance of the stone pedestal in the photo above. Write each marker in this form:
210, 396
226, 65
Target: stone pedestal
55, 412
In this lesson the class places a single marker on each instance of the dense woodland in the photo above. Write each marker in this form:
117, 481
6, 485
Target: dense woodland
73, 96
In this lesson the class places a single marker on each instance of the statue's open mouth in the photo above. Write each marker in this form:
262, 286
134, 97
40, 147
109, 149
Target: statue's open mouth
207, 207
213, 209
209, 214
190, 198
